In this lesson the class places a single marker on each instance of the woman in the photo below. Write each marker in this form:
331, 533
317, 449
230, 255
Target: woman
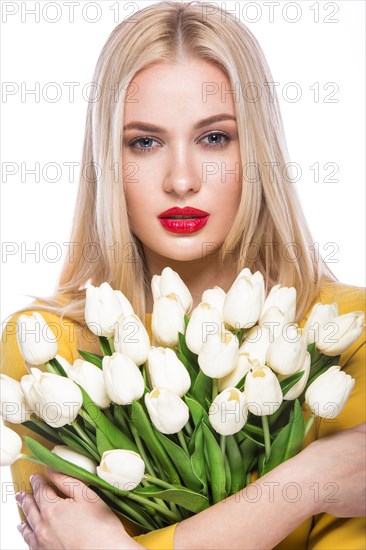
175, 138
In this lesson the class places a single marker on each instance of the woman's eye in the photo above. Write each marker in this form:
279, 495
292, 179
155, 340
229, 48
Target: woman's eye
143, 144
217, 139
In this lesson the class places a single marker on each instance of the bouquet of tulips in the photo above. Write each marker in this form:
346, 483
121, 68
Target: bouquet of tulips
164, 429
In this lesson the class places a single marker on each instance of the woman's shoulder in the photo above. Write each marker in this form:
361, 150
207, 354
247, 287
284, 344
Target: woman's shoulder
348, 297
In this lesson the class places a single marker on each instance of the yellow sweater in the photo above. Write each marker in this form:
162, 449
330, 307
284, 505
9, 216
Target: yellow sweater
321, 532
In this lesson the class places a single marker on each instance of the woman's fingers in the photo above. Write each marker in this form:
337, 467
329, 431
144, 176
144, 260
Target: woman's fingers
43, 492
28, 535
72, 487
31, 510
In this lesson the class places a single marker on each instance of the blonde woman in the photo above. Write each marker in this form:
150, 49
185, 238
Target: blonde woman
176, 140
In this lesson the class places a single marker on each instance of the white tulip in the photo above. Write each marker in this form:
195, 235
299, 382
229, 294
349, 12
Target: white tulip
262, 390
216, 358
215, 297
204, 319
284, 298
320, 315
14, 407
256, 342
122, 378
169, 282
37, 342
167, 411
340, 333
244, 301
69, 454
227, 413
63, 362
131, 338
298, 388
10, 446
167, 320
103, 306
91, 379
287, 352
167, 371
328, 394
242, 364
56, 399
121, 468
273, 320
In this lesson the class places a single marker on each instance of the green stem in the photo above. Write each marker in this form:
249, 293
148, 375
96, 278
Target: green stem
222, 446
84, 436
127, 509
87, 417
267, 436
141, 450
158, 507
188, 428
183, 443
43, 425
156, 481
215, 388
50, 368
111, 344
309, 424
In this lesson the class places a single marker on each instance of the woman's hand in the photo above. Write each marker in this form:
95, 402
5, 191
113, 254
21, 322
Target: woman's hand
81, 520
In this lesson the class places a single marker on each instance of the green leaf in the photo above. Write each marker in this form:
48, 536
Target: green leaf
57, 365
118, 439
179, 495
196, 409
198, 457
240, 384
43, 433
202, 389
216, 463
289, 441
103, 442
191, 371
248, 451
186, 319
236, 464
290, 381
181, 462
69, 440
93, 358
142, 423
104, 345
58, 464
192, 357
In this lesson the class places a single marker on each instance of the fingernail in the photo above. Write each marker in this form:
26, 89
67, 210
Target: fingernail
31, 479
20, 526
18, 497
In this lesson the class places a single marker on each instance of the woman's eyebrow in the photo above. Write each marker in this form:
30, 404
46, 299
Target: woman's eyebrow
146, 127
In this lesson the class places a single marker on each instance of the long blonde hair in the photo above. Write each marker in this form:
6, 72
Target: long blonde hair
269, 233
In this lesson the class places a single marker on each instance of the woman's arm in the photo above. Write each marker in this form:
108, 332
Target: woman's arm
265, 512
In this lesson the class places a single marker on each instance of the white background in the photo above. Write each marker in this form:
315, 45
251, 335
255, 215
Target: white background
309, 53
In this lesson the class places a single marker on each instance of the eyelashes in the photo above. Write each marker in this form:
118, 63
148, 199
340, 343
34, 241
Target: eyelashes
221, 135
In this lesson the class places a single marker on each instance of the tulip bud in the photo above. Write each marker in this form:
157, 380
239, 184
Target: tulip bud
284, 298
216, 358
320, 315
121, 468
244, 300
328, 394
167, 371
215, 297
273, 319
10, 446
298, 388
37, 342
67, 453
286, 353
167, 411
103, 306
203, 319
14, 407
167, 320
131, 338
26, 382
256, 342
340, 333
242, 364
262, 390
56, 399
122, 378
228, 414
91, 379
169, 282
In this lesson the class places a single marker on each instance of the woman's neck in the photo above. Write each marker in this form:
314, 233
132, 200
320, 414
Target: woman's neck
198, 275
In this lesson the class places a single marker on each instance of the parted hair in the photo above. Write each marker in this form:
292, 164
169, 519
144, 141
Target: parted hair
269, 232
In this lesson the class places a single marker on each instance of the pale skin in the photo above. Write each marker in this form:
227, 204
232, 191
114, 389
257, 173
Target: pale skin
170, 96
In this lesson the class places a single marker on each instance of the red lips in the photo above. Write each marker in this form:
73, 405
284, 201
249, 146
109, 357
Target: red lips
186, 211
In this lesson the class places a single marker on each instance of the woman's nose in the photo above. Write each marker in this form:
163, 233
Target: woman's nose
183, 175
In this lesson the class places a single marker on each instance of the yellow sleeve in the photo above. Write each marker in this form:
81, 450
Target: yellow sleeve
12, 364
330, 532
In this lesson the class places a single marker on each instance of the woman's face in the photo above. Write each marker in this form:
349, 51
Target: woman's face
173, 157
